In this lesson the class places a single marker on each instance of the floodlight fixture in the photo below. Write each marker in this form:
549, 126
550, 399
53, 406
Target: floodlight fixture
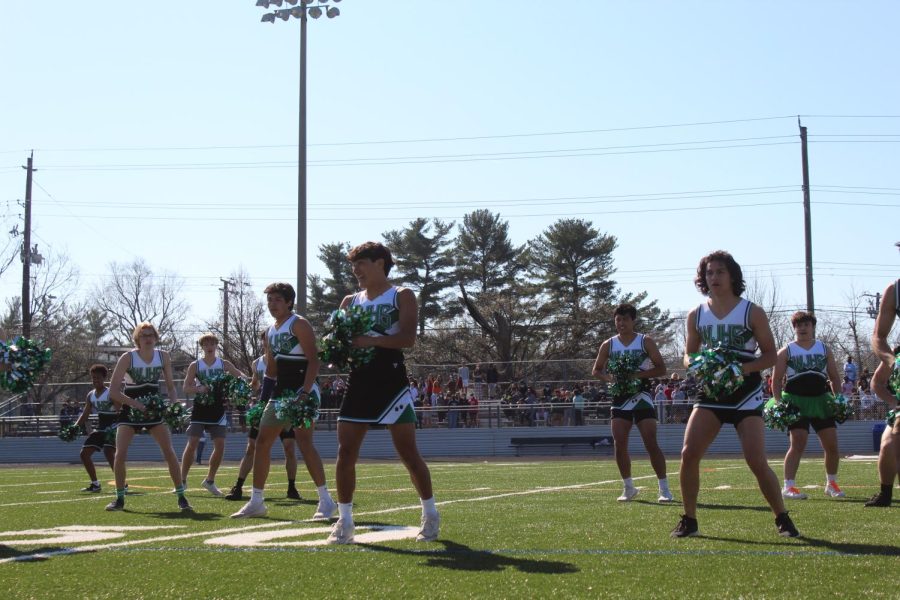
332, 12
268, 18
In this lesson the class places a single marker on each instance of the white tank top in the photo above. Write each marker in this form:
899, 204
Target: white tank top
802, 361
635, 347
282, 341
733, 331
205, 371
102, 403
260, 365
384, 309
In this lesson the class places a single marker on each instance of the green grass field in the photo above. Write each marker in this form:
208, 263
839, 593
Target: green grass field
509, 530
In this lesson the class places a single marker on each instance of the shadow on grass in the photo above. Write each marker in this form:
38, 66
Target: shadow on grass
178, 515
459, 557
733, 507
287, 502
849, 548
661, 504
9, 552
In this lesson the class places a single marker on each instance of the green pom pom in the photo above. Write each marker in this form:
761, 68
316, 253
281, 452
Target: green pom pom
254, 415
336, 345
25, 359
892, 417
622, 367
718, 371
176, 416
155, 411
69, 433
301, 411
780, 415
841, 410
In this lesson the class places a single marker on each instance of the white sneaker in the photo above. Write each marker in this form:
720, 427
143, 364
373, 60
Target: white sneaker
431, 525
325, 509
664, 497
832, 489
250, 510
792, 493
211, 488
628, 494
341, 533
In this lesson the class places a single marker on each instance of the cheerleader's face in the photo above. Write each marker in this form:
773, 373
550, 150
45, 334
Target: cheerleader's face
624, 324
718, 279
147, 338
804, 331
368, 272
97, 380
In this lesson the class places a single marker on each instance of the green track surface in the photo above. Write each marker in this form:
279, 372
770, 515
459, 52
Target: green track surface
509, 530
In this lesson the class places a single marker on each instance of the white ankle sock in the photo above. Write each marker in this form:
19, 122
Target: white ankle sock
830, 478
97, 482
788, 483
428, 507
322, 490
256, 495
664, 484
629, 483
345, 511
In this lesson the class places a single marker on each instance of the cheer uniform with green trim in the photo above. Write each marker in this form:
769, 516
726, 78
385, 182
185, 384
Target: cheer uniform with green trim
290, 369
639, 406
733, 332
142, 380
806, 385
212, 414
259, 365
378, 391
107, 420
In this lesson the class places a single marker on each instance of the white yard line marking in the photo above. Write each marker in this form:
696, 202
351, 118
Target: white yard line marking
722, 487
55, 492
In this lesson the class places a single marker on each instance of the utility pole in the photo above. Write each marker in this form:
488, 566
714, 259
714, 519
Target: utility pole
225, 293
807, 220
26, 251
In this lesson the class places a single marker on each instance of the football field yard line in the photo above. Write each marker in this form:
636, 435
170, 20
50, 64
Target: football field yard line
97, 547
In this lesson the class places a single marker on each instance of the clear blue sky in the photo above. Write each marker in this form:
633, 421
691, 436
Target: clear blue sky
168, 130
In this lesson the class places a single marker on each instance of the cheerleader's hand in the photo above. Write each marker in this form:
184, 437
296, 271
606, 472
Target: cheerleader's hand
138, 406
606, 377
363, 341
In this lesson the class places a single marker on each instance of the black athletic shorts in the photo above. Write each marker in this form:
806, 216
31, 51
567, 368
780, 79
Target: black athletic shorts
818, 425
635, 416
286, 434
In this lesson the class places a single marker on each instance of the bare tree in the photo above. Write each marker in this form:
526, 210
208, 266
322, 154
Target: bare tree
767, 295
133, 294
247, 315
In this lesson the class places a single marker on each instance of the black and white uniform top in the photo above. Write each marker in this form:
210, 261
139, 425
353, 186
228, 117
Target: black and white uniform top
378, 391
807, 370
290, 361
643, 399
107, 414
141, 379
213, 414
733, 332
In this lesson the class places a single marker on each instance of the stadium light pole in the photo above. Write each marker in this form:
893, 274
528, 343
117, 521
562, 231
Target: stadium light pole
303, 10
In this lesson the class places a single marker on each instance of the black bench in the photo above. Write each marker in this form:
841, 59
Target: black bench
603, 442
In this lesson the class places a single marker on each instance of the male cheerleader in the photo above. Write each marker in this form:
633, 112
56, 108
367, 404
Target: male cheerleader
378, 392
804, 371
287, 442
292, 364
210, 418
743, 327
636, 409
889, 455
104, 438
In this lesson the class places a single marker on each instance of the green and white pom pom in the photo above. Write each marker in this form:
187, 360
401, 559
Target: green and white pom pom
155, 409
216, 389
176, 416
892, 417
69, 433
841, 410
622, 367
301, 411
254, 414
238, 392
780, 415
336, 347
894, 380
25, 359
718, 371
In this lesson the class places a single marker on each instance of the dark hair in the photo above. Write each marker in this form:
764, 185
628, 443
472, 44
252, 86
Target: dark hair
100, 369
738, 285
626, 310
285, 290
801, 316
373, 251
